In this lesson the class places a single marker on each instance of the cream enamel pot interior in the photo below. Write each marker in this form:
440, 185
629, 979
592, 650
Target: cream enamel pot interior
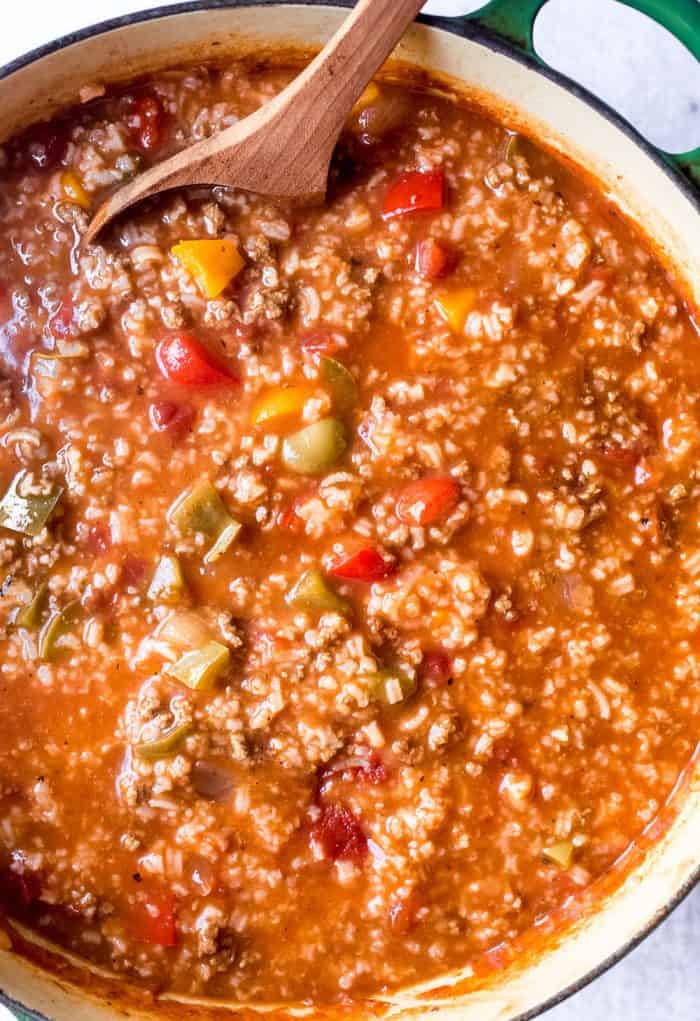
557, 113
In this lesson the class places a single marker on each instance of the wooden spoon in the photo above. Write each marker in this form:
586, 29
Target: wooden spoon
284, 149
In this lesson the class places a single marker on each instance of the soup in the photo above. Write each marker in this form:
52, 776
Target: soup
351, 574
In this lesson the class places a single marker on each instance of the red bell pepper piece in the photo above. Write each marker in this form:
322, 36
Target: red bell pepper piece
415, 192
427, 500
153, 920
185, 360
145, 119
366, 564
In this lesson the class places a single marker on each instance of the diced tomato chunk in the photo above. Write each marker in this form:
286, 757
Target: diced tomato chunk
185, 360
435, 668
153, 920
145, 121
338, 835
433, 260
366, 564
415, 192
427, 500
60, 321
171, 417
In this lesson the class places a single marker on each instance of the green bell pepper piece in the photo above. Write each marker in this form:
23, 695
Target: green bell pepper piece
27, 513
201, 668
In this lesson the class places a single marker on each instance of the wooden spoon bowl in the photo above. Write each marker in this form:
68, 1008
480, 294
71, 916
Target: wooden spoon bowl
284, 149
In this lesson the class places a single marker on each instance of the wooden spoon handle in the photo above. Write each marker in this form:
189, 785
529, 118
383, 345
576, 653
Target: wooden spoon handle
290, 141
325, 92
300, 127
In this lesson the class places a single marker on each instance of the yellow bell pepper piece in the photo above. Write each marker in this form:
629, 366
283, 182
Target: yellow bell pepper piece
456, 306
369, 96
73, 191
213, 262
280, 402
560, 854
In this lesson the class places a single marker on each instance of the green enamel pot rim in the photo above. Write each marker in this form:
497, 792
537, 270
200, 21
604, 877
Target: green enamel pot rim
515, 21
504, 26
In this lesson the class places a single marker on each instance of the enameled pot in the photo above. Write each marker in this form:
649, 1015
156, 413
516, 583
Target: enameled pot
490, 59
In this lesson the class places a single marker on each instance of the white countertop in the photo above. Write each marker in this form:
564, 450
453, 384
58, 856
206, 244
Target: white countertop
656, 84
